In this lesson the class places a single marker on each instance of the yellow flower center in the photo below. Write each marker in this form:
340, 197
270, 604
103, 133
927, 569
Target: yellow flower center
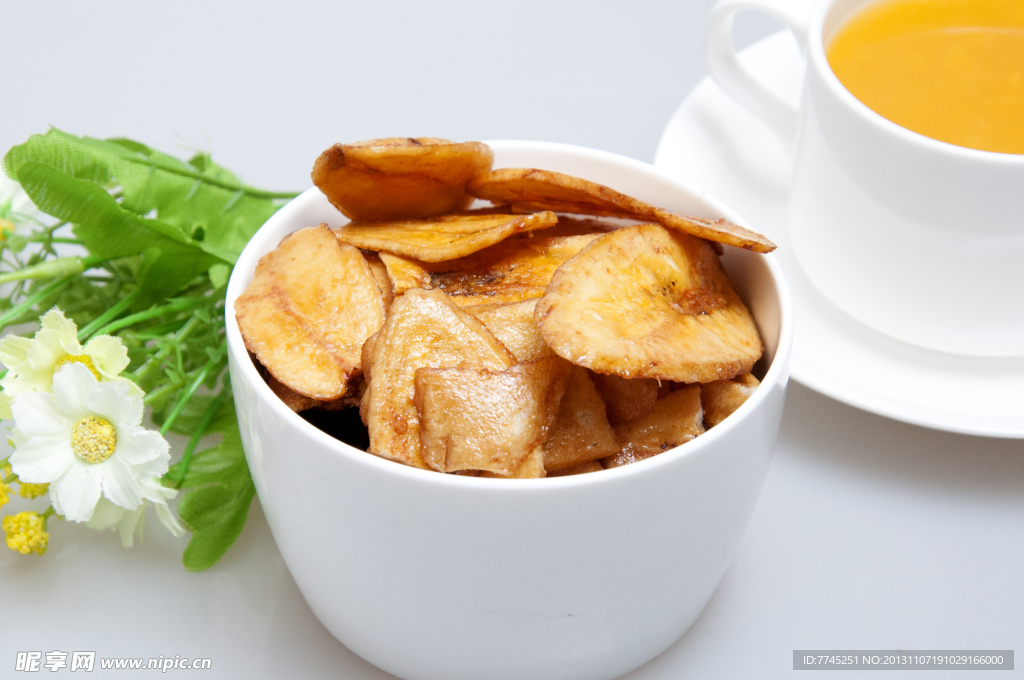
26, 532
80, 359
93, 439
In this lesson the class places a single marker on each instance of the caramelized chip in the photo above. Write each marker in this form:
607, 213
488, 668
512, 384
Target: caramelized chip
644, 301
400, 177
527, 189
513, 324
478, 419
579, 226
424, 329
721, 397
581, 431
675, 420
582, 468
441, 238
311, 305
532, 467
510, 271
380, 275
626, 399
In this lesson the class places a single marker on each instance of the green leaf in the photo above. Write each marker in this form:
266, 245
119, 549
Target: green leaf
216, 507
169, 259
206, 203
216, 516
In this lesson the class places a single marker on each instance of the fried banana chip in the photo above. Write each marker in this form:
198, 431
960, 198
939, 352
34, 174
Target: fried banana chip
626, 399
510, 271
532, 467
527, 189
646, 302
312, 303
400, 177
582, 468
581, 432
580, 226
513, 324
424, 329
380, 275
721, 397
675, 420
441, 238
476, 419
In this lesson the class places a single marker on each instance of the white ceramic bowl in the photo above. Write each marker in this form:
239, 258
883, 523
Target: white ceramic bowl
442, 577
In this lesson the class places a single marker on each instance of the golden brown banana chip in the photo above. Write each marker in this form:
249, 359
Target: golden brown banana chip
512, 323
424, 329
721, 397
675, 420
646, 302
400, 178
441, 238
626, 399
476, 419
527, 189
312, 303
579, 226
581, 432
532, 467
582, 468
380, 275
510, 271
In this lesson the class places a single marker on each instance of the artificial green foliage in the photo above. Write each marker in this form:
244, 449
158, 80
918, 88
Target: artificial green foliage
154, 241
221, 491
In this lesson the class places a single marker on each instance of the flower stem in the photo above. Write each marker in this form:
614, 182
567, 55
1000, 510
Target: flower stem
196, 382
155, 360
112, 313
52, 269
39, 295
179, 305
9, 478
181, 469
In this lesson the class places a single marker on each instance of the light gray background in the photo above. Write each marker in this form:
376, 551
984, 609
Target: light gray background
869, 534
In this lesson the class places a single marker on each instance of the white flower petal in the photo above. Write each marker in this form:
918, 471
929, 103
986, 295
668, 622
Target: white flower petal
72, 385
153, 468
119, 484
78, 491
131, 524
35, 416
168, 519
110, 400
13, 350
108, 354
137, 446
106, 515
46, 350
62, 329
42, 460
153, 490
5, 407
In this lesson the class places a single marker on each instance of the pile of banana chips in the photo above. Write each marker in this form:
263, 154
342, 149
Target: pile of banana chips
564, 328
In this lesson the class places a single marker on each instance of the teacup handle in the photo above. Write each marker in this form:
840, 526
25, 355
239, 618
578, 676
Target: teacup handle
736, 81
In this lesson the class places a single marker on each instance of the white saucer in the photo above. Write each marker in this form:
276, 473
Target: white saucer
713, 143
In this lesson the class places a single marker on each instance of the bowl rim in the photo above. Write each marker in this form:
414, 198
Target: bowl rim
777, 374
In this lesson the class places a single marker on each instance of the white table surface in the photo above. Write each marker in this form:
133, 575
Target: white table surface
869, 534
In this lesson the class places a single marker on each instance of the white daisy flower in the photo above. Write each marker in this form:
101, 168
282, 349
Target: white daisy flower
130, 522
32, 362
85, 440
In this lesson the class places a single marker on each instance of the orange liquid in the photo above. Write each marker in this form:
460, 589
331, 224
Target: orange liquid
952, 70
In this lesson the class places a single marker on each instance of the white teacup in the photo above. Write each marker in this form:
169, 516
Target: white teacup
917, 238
